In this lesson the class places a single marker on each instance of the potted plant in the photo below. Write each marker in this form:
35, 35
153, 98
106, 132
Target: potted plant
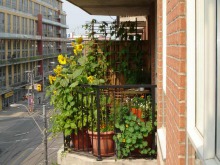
70, 116
132, 133
106, 126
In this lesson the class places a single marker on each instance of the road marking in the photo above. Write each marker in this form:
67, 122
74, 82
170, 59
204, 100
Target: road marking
22, 134
21, 140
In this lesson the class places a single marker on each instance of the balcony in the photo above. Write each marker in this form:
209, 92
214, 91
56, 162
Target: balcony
126, 113
20, 60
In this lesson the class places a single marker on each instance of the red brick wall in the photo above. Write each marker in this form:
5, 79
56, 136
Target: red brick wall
176, 82
159, 64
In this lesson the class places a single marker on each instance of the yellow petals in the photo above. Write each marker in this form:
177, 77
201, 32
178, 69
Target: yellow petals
90, 79
75, 51
126, 126
62, 59
52, 79
123, 140
58, 69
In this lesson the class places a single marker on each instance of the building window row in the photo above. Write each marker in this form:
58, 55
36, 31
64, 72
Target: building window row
34, 8
53, 31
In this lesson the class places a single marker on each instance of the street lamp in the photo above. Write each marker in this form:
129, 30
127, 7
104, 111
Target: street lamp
31, 76
44, 132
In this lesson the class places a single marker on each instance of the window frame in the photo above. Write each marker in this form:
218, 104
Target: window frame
204, 145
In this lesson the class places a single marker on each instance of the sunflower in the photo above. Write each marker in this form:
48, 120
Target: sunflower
50, 79
62, 59
75, 51
90, 79
79, 47
79, 40
58, 69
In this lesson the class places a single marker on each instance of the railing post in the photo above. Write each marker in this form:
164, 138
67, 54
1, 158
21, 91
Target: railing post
153, 115
99, 158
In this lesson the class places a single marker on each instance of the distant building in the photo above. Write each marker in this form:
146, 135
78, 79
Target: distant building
32, 32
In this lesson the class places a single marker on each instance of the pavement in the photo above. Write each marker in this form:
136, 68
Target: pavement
36, 155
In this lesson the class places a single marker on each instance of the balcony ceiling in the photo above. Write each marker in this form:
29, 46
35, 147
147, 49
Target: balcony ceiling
114, 7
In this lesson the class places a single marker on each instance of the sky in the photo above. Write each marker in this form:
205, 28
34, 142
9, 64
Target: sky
77, 17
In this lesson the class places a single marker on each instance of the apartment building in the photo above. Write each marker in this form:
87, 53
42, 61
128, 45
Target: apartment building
32, 33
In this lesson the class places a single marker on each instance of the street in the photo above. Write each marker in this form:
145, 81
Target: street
21, 140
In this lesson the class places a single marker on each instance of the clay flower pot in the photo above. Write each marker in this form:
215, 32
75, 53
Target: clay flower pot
81, 141
138, 113
107, 146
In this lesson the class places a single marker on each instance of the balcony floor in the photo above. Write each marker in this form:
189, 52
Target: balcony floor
76, 159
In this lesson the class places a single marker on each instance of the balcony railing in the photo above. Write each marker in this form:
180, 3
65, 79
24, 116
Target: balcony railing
19, 60
116, 109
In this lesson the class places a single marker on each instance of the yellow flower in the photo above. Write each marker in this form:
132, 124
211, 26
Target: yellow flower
90, 79
73, 44
58, 69
62, 59
54, 78
123, 140
126, 126
75, 51
54, 92
79, 47
79, 40
50, 79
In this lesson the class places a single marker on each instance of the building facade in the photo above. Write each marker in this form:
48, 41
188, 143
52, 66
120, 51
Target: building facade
32, 33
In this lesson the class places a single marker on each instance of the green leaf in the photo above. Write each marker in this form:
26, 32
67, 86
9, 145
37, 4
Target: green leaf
73, 85
128, 140
73, 126
131, 129
76, 73
82, 60
69, 98
64, 82
68, 132
122, 127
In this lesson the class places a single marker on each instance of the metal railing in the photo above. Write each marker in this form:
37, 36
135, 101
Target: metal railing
102, 108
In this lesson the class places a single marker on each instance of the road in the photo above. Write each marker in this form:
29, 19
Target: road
21, 140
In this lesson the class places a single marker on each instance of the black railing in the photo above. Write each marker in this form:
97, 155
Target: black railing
125, 113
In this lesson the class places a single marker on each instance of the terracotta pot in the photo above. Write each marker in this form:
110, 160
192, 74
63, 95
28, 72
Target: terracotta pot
138, 113
107, 146
81, 141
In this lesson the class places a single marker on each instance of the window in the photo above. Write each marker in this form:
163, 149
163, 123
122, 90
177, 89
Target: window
18, 24
36, 9
9, 23
14, 24
2, 22
2, 50
8, 3
30, 7
14, 4
201, 80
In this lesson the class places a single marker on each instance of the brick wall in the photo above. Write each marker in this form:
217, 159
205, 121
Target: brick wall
176, 82
159, 64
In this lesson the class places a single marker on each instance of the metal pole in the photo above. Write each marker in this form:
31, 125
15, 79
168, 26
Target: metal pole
45, 136
32, 90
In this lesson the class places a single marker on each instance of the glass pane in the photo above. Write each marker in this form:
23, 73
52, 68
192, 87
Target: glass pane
218, 83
